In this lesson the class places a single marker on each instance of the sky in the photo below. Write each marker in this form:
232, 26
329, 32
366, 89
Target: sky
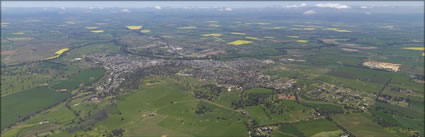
205, 4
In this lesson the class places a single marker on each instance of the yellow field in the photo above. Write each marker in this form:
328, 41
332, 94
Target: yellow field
295, 37
268, 37
134, 27
58, 53
211, 35
309, 28
189, 27
61, 51
146, 31
415, 48
337, 30
237, 33
19, 38
302, 41
254, 38
342, 30
4, 23
18, 33
272, 28
91, 27
52, 57
97, 31
239, 42
214, 25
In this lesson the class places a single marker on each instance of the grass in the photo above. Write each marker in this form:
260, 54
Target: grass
291, 129
417, 125
259, 91
227, 98
91, 49
258, 114
388, 117
311, 127
19, 105
367, 75
351, 83
360, 125
86, 76
175, 114
326, 108
335, 133
292, 105
393, 109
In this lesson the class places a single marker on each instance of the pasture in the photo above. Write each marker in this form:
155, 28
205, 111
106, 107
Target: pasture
312, 127
17, 106
166, 108
83, 77
360, 125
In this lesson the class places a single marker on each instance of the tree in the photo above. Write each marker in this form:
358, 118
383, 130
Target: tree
118, 132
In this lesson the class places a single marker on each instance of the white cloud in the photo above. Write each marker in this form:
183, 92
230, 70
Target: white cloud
125, 10
309, 12
364, 7
157, 7
333, 5
297, 6
225, 9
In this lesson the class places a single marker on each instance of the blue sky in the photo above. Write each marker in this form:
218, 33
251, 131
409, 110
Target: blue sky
206, 4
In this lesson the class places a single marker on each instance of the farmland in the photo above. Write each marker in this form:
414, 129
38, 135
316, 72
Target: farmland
35, 99
211, 72
359, 125
171, 113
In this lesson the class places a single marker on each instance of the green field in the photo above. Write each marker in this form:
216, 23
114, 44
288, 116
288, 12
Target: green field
312, 127
290, 129
85, 76
416, 124
260, 91
360, 125
17, 106
175, 114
